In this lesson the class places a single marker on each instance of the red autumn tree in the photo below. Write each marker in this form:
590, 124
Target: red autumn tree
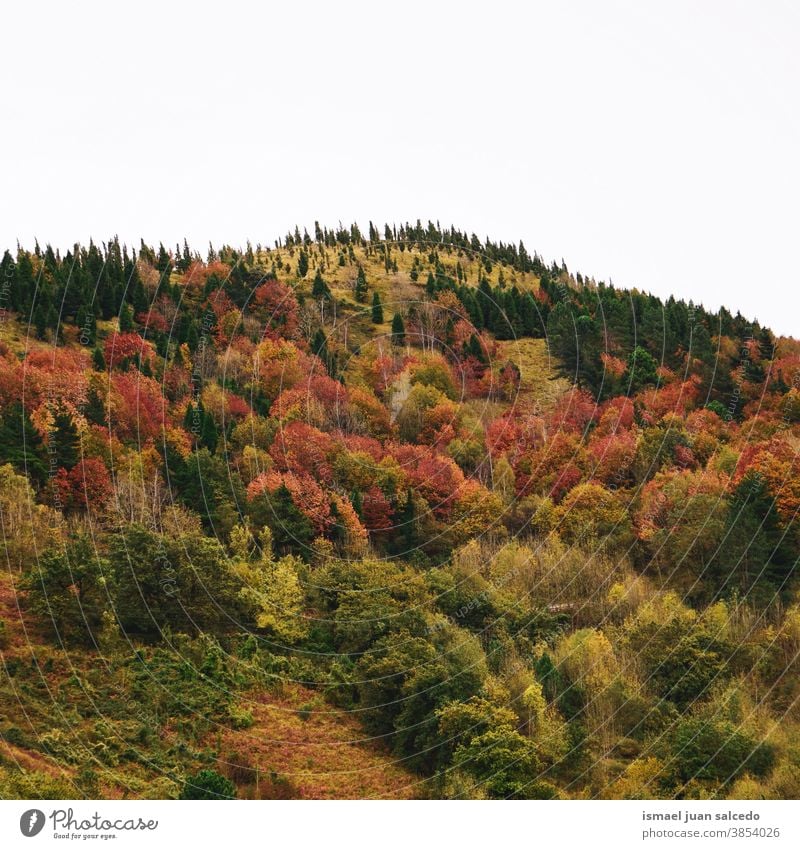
138, 406
276, 307
87, 486
121, 347
303, 449
90, 483
376, 510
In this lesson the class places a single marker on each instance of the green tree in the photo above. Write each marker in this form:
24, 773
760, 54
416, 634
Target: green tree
361, 285
405, 679
506, 764
64, 443
320, 289
398, 329
87, 325
208, 784
209, 435
756, 549
125, 319
529, 316
377, 309
716, 751
184, 583
69, 589
20, 443
95, 410
207, 484
302, 264
291, 530
642, 369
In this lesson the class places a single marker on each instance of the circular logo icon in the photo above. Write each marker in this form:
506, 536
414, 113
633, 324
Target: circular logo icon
31, 822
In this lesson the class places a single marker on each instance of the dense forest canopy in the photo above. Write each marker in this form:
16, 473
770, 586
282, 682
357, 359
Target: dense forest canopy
395, 513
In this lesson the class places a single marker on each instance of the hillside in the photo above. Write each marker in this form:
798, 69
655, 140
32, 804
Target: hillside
77, 725
403, 513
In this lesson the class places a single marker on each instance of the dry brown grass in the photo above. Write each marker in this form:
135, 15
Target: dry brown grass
301, 747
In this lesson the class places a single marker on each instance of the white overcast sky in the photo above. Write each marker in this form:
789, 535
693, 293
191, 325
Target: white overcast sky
655, 144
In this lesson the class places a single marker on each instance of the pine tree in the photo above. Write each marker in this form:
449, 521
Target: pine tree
361, 286
87, 325
125, 319
319, 344
528, 315
302, 264
475, 349
209, 436
320, 289
192, 336
377, 309
471, 305
486, 303
64, 441
188, 418
138, 298
51, 319
95, 411
20, 443
398, 329
40, 320
291, 529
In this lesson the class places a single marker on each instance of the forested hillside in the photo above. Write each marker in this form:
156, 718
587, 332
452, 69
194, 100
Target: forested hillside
403, 513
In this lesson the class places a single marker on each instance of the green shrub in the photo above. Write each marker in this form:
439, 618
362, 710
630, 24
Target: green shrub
717, 751
208, 784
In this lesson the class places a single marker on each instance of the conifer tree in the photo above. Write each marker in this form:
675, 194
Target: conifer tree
302, 264
20, 443
64, 441
125, 319
87, 325
320, 289
527, 314
398, 329
40, 320
319, 344
188, 418
192, 336
138, 297
209, 435
361, 286
95, 411
377, 309
485, 302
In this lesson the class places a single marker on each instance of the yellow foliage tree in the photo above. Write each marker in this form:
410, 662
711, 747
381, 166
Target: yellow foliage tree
28, 528
272, 588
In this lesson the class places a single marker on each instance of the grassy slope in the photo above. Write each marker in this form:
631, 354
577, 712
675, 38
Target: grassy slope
296, 746
354, 326
318, 752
